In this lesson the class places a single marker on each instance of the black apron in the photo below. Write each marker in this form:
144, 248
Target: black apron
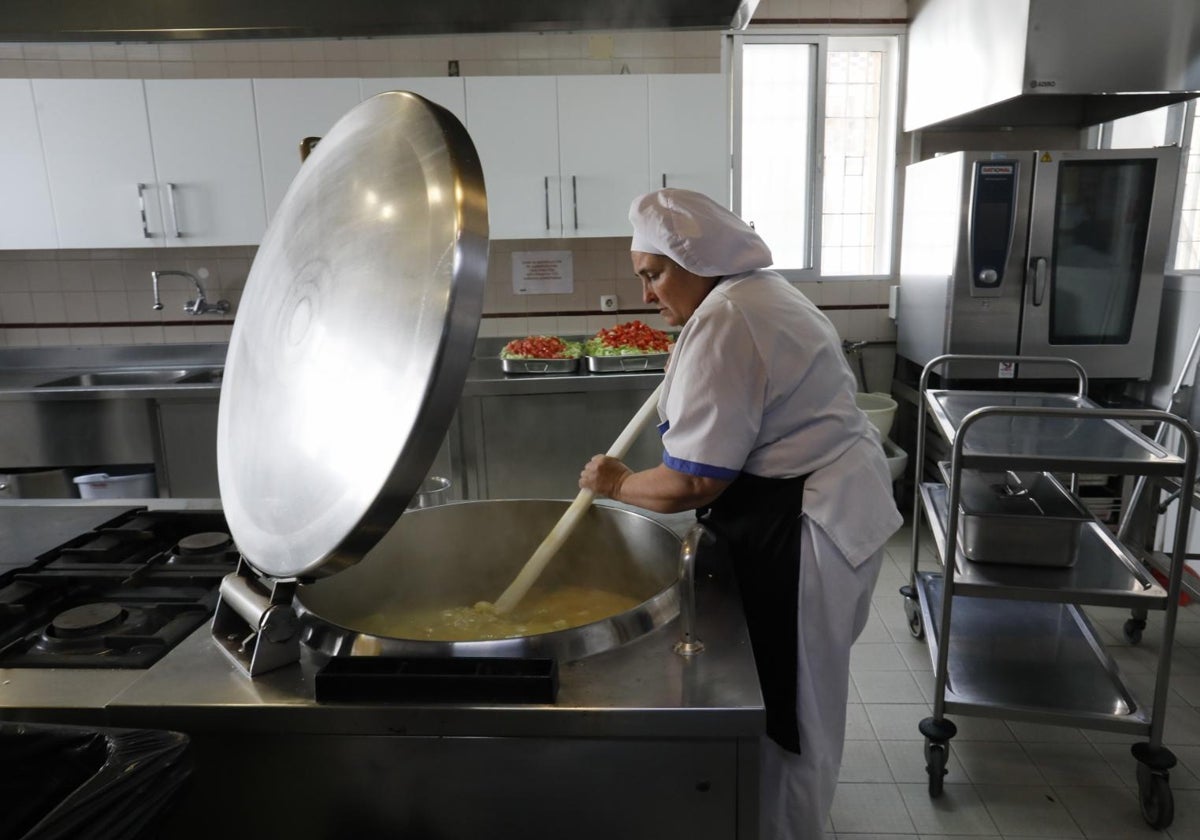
757, 522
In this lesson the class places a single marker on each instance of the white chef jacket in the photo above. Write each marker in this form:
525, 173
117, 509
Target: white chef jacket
758, 382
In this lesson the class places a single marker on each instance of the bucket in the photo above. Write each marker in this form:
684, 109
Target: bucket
879, 407
897, 459
105, 486
433, 491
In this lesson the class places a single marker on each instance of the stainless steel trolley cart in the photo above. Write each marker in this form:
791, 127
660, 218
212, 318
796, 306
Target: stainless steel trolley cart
1010, 640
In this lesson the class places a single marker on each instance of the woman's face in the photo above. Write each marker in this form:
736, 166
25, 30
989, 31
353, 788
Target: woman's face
675, 290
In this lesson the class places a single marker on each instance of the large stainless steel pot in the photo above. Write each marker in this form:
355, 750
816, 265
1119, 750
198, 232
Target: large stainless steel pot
462, 553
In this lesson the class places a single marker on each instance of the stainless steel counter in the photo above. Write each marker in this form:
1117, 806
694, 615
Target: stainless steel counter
642, 742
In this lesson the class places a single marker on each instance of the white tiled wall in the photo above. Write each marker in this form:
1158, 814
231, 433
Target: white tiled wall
104, 297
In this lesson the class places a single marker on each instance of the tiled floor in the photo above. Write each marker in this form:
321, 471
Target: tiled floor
1007, 780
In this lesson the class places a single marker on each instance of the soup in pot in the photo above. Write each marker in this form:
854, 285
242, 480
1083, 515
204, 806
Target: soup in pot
541, 611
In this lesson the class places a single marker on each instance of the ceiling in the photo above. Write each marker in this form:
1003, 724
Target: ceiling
169, 20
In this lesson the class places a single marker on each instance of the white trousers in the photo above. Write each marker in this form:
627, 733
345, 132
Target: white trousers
835, 602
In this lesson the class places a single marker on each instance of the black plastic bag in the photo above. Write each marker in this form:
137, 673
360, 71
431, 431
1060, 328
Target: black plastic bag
82, 783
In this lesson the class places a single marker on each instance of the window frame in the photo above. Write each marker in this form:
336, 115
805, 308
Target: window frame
888, 186
1181, 118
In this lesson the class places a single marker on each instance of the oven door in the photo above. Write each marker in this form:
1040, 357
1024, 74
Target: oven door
1099, 225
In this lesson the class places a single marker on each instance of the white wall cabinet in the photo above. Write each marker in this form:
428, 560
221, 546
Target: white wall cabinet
163, 162
96, 139
604, 154
689, 133
564, 157
513, 121
206, 158
127, 163
26, 213
288, 111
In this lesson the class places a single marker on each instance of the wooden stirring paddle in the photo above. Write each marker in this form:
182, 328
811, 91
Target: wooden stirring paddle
566, 525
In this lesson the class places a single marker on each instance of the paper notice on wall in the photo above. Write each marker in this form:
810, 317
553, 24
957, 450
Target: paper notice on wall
543, 273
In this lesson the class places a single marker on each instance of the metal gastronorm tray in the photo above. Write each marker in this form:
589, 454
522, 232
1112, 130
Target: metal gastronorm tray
540, 365
627, 364
1104, 572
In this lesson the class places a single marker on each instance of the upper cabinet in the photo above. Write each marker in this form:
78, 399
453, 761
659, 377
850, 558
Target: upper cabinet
513, 121
564, 157
26, 214
689, 134
604, 157
206, 158
135, 164
129, 163
288, 111
96, 138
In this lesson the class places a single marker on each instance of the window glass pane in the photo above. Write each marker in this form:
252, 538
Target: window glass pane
1101, 219
850, 189
1140, 131
777, 108
1187, 255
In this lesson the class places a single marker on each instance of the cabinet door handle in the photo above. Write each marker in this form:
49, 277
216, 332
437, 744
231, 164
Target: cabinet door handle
142, 210
574, 203
1039, 280
546, 198
174, 214
664, 186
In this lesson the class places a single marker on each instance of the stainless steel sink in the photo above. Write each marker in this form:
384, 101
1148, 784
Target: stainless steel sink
131, 377
202, 376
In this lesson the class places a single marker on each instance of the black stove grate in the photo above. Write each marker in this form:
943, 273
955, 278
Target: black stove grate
119, 596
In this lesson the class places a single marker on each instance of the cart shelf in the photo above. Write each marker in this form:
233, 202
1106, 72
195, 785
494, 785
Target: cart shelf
1104, 572
1028, 660
1043, 441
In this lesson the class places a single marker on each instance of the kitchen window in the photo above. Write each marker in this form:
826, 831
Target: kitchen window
1187, 251
814, 141
1174, 124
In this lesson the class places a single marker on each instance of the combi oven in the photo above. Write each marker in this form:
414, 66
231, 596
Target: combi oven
1036, 254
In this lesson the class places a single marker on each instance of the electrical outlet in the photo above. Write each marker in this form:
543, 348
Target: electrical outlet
608, 303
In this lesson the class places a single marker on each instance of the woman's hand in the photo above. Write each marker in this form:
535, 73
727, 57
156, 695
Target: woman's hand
603, 476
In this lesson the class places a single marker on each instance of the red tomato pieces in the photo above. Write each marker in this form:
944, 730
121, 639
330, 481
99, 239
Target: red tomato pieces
539, 347
635, 334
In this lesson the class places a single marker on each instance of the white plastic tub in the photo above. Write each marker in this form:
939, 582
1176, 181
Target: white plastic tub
105, 486
880, 409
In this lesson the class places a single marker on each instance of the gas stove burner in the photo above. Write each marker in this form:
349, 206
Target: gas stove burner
85, 628
202, 547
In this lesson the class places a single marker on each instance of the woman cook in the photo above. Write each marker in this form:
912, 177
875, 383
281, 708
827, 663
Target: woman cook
761, 435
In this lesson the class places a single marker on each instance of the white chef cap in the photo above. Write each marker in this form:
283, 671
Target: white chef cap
696, 232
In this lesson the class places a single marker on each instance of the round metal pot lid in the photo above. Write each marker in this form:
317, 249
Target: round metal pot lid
351, 344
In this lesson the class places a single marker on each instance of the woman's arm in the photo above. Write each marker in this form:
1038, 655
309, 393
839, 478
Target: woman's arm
660, 489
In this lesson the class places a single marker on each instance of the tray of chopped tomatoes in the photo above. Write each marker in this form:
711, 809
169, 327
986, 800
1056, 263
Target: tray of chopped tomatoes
631, 346
541, 354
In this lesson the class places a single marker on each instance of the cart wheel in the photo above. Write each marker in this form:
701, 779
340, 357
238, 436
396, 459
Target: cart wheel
1133, 630
915, 625
1154, 792
935, 766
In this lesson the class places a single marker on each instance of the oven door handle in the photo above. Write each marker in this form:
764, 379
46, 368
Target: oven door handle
1038, 266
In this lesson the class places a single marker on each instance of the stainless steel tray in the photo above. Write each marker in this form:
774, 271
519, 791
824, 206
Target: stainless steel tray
1026, 519
540, 365
627, 364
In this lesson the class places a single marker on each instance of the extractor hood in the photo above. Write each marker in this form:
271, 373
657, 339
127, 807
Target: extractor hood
163, 20
1074, 63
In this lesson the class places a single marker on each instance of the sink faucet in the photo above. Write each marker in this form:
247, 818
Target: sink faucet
200, 305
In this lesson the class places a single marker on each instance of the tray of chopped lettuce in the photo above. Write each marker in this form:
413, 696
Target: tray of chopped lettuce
541, 354
631, 346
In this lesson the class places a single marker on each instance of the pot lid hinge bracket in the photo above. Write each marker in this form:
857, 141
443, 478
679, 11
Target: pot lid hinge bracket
255, 622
